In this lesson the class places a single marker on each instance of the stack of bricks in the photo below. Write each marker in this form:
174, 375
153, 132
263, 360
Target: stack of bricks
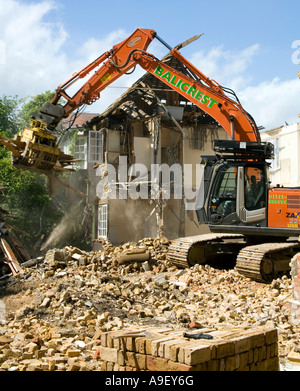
154, 349
294, 303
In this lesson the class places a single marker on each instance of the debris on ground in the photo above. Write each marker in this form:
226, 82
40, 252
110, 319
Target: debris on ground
53, 314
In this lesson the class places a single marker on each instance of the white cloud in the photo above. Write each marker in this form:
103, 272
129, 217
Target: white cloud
226, 66
273, 102
270, 103
93, 47
32, 48
34, 51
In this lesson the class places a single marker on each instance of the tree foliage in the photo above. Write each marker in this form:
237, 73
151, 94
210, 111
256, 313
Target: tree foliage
31, 208
32, 104
9, 115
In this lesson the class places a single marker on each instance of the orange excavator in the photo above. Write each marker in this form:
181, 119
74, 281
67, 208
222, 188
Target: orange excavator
247, 219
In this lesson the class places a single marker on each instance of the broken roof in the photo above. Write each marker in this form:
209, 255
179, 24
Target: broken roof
79, 121
139, 102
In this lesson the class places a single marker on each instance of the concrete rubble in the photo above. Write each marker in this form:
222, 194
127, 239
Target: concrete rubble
58, 309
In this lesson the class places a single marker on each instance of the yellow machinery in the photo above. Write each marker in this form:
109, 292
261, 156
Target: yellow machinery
36, 149
41, 151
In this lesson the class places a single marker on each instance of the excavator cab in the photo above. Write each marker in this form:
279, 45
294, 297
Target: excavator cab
236, 185
238, 194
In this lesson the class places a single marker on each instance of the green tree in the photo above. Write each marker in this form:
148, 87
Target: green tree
9, 115
31, 209
32, 104
26, 197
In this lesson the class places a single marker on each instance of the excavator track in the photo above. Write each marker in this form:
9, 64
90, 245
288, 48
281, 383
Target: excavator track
187, 251
267, 261
261, 262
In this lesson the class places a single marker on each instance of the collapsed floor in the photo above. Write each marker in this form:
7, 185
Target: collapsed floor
53, 315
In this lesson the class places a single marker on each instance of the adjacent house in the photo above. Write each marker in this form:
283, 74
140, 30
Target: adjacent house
285, 168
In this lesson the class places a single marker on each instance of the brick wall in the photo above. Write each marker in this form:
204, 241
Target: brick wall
154, 349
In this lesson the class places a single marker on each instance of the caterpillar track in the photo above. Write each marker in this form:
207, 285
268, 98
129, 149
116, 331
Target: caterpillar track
261, 262
187, 251
266, 262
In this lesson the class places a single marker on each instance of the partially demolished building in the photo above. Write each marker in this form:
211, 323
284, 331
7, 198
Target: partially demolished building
149, 126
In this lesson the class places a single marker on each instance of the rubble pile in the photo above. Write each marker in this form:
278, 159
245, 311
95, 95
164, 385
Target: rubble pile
57, 310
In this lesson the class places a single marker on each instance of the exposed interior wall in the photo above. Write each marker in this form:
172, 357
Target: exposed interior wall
128, 220
161, 140
131, 220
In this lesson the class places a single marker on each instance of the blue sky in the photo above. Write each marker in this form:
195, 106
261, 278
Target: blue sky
246, 46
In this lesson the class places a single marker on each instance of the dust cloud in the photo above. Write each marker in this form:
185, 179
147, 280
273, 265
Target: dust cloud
59, 233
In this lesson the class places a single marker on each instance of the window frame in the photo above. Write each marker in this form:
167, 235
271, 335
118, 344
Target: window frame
96, 147
80, 151
102, 227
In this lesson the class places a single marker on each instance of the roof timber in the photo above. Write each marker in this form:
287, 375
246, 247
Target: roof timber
148, 90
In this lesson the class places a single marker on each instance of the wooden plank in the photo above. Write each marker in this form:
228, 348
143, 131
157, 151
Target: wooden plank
10, 257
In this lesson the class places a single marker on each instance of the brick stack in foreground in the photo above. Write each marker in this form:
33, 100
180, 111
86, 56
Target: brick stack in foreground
154, 349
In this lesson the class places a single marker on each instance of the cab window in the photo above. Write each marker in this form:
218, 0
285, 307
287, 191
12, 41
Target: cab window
255, 192
223, 199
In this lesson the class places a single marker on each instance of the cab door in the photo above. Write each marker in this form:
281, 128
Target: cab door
251, 194
222, 198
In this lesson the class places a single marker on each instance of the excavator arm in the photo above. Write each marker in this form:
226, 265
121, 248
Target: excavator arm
204, 93
37, 147
109, 70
